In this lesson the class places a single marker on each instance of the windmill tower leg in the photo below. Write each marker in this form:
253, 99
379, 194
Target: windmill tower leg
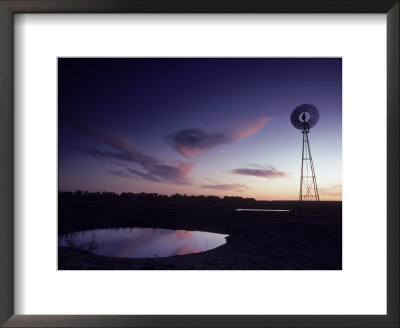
308, 181
302, 163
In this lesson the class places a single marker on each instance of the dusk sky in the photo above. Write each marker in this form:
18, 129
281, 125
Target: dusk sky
197, 126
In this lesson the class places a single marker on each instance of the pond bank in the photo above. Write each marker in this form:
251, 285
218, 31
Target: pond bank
266, 243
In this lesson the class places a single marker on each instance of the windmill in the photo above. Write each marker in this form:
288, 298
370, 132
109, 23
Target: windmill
304, 117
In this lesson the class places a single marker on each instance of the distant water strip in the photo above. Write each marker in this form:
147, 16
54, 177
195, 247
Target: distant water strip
258, 210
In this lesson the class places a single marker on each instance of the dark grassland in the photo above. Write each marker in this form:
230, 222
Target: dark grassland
309, 238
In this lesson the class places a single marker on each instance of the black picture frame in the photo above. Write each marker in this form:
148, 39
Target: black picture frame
10, 7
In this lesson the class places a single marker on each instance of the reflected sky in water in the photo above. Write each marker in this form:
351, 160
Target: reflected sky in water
142, 242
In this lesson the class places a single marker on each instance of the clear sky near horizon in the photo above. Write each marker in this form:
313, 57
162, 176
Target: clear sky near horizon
197, 126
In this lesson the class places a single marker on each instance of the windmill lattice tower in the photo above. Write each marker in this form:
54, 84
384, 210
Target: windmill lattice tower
304, 117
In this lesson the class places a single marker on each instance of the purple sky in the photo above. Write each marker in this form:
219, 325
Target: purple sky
197, 125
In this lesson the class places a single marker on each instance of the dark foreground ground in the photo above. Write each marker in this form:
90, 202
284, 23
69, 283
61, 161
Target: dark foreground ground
294, 241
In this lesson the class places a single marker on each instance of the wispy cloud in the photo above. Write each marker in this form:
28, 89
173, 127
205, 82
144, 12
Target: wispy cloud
194, 141
248, 128
333, 191
191, 142
117, 155
121, 174
124, 153
266, 171
231, 187
144, 175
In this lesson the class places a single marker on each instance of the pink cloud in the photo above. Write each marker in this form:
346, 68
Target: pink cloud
124, 153
249, 128
268, 172
191, 142
232, 187
188, 152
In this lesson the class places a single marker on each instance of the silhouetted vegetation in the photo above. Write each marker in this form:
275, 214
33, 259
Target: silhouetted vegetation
81, 210
146, 197
150, 201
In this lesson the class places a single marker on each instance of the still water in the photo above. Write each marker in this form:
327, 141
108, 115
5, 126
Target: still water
258, 210
142, 242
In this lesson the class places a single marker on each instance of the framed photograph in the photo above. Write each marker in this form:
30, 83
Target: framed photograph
217, 164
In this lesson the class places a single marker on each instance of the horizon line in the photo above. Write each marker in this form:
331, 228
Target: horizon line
186, 195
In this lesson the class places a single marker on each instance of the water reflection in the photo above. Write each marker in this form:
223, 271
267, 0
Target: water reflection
259, 210
142, 242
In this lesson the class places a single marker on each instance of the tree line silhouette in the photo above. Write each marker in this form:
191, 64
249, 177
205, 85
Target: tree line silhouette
145, 197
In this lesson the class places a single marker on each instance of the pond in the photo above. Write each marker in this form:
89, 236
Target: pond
142, 242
